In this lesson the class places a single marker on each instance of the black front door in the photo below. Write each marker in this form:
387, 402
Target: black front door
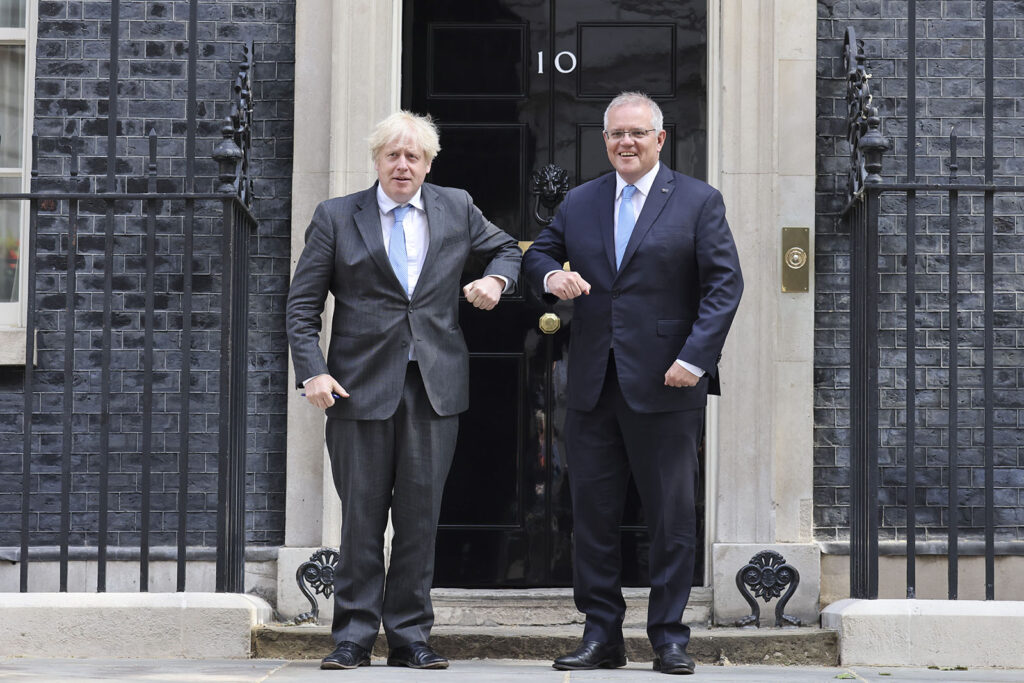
518, 85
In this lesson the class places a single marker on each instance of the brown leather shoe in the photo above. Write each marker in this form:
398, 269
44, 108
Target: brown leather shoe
416, 655
672, 659
347, 655
593, 654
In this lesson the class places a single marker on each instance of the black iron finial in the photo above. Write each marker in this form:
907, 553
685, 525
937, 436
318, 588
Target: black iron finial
954, 166
863, 123
233, 151
151, 168
75, 141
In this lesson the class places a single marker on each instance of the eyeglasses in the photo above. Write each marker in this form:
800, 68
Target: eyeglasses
635, 134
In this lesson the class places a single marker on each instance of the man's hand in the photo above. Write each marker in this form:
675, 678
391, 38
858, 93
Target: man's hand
567, 285
485, 292
678, 376
319, 391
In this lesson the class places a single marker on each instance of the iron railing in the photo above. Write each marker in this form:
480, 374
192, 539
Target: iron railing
167, 226
868, 202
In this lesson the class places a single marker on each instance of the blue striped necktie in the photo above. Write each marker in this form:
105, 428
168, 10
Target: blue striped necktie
397, 254
627, 219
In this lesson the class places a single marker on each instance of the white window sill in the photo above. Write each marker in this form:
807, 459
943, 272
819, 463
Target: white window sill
12, 346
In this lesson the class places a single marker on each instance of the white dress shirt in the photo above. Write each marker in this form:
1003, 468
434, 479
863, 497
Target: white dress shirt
643, 189
417, 237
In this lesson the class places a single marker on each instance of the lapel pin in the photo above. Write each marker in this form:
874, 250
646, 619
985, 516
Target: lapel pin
664, 189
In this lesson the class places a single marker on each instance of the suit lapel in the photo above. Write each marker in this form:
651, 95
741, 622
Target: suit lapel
435, 231
605, 210
367, 220
661, 190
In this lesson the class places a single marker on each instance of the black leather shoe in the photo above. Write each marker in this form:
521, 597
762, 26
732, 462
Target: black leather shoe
416, 655
672, 659
593, 655
347, 655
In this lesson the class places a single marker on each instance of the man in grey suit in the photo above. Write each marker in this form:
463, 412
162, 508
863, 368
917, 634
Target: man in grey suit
395, 378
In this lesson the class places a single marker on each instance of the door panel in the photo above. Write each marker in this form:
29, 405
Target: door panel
501, 184
476, 61
642, 55
516, 85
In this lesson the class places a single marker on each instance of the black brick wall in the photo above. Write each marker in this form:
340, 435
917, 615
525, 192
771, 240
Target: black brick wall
950, 90
72, 67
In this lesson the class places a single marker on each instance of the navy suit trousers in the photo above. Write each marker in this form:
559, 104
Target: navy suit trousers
603, 447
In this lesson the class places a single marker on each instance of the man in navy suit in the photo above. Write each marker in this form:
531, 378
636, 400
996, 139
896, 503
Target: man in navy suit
655, 282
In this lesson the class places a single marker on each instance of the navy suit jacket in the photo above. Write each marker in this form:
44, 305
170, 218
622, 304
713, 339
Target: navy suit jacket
674, 296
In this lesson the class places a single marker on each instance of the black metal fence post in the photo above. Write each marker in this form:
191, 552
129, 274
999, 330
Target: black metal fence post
866, 147
233, 159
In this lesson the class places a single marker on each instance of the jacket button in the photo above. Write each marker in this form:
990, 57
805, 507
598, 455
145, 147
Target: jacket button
615, 293
405, 344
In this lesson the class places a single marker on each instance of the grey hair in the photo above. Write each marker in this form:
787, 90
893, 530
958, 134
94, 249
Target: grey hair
632, 97
421, 128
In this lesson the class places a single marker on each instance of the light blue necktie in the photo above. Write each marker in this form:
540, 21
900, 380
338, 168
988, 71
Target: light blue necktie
397, 254
627, 219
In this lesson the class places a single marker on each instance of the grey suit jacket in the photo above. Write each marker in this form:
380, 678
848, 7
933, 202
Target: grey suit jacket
374, 320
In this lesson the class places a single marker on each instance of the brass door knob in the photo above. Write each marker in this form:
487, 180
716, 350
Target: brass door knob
549, 323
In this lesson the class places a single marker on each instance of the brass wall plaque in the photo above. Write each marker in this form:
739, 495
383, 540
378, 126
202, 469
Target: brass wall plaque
796, 259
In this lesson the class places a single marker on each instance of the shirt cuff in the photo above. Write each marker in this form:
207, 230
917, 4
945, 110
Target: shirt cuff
692, 368
503, 279
548, 275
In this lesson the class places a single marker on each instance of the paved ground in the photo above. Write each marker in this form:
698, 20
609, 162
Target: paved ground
475, 671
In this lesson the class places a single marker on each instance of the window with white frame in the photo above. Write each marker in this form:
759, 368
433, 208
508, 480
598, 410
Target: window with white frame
16, 69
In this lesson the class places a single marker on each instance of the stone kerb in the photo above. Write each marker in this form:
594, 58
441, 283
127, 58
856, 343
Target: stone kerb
130, 625
970, 633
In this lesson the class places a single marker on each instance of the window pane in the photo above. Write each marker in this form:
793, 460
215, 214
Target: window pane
12, 13
12, 101
10, 239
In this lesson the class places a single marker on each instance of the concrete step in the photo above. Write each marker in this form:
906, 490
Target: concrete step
543, 607
783, 646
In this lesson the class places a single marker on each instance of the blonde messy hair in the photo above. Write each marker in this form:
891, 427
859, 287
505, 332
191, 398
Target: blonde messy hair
420, 128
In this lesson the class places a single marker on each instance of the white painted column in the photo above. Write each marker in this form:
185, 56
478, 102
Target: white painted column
347, 71
762, 85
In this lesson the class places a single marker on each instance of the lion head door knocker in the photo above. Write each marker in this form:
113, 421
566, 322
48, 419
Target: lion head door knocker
766, 576
548, 187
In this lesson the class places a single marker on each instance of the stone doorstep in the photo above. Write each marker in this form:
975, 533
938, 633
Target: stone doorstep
783, 646
540, 607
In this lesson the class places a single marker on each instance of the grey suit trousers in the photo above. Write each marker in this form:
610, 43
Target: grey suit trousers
399, 463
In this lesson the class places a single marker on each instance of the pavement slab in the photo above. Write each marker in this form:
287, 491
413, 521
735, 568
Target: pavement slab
461, 671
